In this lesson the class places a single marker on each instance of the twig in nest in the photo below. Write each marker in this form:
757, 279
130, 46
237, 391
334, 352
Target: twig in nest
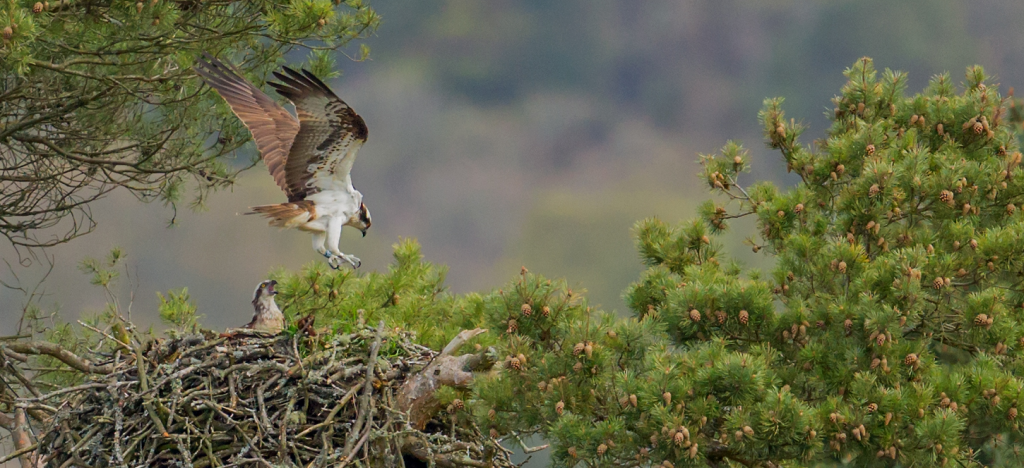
364, 400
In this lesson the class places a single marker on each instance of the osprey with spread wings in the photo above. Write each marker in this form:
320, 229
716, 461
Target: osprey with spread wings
310, 157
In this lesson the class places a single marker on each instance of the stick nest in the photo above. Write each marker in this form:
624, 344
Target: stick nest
251, 401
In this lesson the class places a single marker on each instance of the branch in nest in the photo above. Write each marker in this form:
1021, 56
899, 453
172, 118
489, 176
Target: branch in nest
63, 355
417, 395
418, 448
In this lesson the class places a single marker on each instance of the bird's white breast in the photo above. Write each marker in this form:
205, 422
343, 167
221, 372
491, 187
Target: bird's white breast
337, 203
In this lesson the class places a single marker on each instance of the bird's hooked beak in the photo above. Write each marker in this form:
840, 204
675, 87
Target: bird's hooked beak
363, 231
270, 287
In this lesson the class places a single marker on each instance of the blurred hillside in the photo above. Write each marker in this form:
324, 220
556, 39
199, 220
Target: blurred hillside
535, 133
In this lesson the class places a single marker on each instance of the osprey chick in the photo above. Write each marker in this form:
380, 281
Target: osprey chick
268, 318
310, 158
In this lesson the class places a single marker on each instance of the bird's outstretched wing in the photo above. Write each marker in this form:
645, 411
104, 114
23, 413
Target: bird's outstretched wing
272, 127
330, 134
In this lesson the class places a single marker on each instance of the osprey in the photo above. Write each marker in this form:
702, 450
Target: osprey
267, 317
309, 157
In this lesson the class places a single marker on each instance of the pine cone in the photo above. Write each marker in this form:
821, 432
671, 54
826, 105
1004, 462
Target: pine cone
601, 449
7, 33
873, 190
871, 150
946, 197
37, 8
559, 407
744, 317
578, 366
842, 267
667, 397
1012, 413
938, 283
526, 309
678, 438
572, 452
491, 413
872, 407
981, 320
695, 315
720, 316
458, 404
632, 400
516, 364
545, 311
910, 360
513, 326
578, 349
848, 326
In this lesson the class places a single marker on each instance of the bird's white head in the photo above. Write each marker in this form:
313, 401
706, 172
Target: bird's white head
361, 220
264, 292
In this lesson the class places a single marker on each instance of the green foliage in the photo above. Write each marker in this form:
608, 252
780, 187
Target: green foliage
102, 273
410, 295
893, 316
178, 311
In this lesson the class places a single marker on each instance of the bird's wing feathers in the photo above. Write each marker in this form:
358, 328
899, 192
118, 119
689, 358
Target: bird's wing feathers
272, 127
330, 134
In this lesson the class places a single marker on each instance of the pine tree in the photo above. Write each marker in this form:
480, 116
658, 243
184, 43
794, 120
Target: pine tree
887, 333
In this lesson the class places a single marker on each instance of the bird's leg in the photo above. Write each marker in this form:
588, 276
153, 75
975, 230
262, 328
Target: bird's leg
319, 241
334, 226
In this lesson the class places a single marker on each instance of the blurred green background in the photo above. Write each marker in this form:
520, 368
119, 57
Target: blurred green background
535, 133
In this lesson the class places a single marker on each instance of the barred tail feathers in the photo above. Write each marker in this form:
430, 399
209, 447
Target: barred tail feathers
287, 215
